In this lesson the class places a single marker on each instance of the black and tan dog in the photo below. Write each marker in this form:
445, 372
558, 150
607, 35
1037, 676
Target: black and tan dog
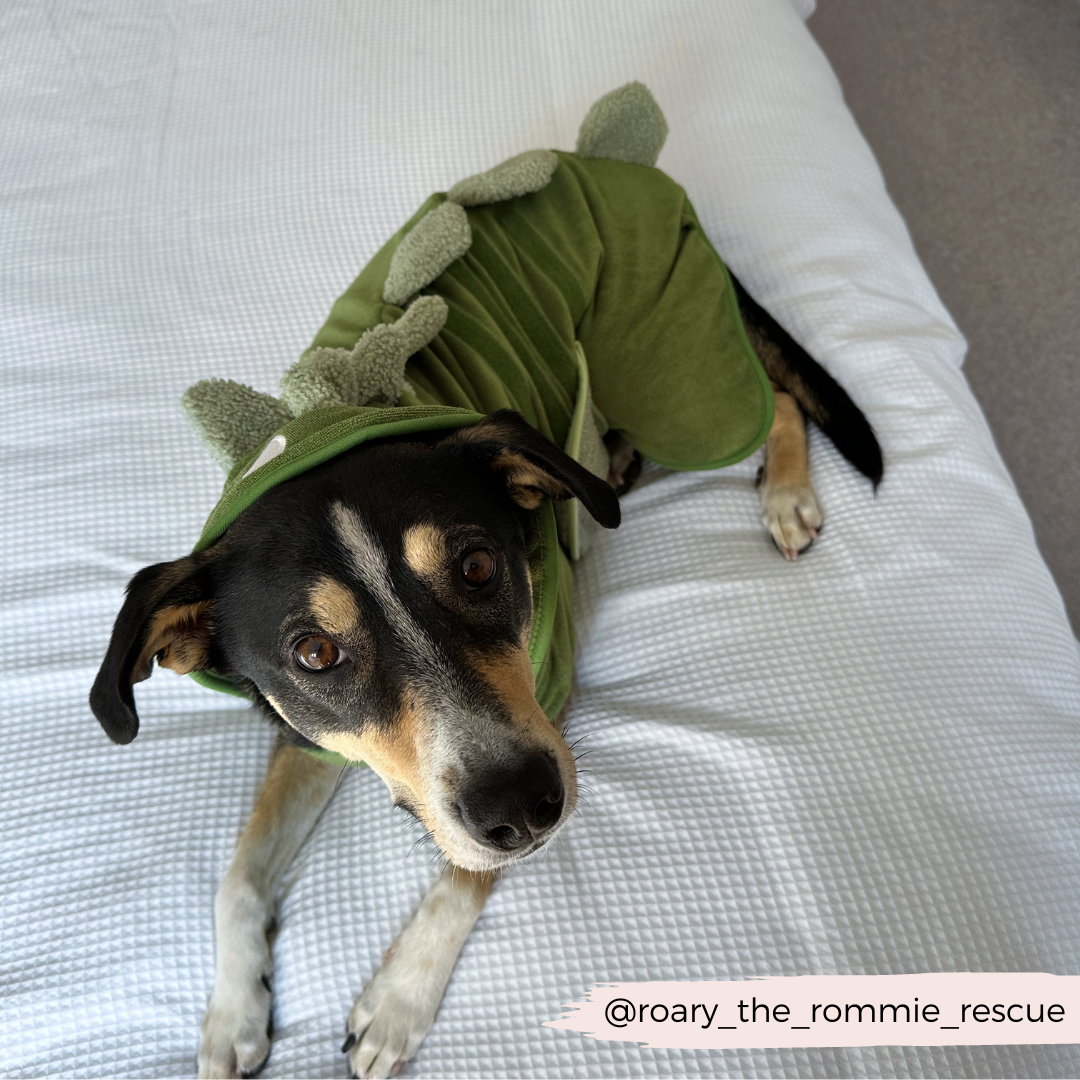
382, 612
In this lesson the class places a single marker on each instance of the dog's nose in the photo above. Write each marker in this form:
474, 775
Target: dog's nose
515, 807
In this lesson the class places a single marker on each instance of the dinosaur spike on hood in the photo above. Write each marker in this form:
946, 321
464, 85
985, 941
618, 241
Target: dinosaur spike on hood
232, 419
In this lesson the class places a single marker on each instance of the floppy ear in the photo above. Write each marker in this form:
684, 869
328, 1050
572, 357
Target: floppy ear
166, 614
534, 466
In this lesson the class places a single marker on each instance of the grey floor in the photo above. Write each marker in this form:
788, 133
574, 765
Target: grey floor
973, 110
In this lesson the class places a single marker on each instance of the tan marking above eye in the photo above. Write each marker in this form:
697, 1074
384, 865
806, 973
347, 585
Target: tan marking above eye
333, 606
425, 549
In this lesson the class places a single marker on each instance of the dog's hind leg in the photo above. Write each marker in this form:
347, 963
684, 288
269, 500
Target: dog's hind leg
801, 387
236, 1029
789, 506
398, 1006
819, 395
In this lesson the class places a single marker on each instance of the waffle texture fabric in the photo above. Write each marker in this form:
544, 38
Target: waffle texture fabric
863, 762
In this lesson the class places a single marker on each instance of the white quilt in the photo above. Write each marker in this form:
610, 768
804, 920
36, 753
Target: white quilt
865, 762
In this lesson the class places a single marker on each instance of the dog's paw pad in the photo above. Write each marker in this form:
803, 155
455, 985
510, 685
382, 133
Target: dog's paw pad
236, 1033
793, 517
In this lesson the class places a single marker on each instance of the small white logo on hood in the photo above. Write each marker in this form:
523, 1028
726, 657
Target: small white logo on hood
269, 452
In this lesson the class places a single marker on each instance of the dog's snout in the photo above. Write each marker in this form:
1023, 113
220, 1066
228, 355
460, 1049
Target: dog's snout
516, 807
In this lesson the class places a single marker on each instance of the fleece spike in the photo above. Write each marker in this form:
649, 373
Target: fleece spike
626, 125
373, 370
521, 175
232, 419
439, 238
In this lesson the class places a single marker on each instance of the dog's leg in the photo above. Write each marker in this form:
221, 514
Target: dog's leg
789, 507
396, 1009
235, 1032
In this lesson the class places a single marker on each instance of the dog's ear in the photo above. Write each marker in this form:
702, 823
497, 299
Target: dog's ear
166, 615
534, 466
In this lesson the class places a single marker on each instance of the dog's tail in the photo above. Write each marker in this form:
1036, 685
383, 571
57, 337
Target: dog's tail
821, 397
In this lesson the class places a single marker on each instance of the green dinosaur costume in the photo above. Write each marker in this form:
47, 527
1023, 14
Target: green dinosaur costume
578, 289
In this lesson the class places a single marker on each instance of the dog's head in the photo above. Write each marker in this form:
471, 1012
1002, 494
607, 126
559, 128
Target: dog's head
380, 606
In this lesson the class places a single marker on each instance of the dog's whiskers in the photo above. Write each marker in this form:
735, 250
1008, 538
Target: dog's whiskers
580, 739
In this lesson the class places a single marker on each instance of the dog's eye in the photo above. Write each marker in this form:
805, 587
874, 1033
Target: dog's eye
478, 568
317, 653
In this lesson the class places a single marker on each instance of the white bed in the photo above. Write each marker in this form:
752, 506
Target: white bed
863, 763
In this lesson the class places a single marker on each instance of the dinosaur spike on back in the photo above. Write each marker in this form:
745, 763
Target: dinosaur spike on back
521, 175
373, 370
437, 240
626, 125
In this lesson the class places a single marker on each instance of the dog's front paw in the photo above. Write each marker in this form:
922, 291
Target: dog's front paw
236, 1029
390, 1018
792, 515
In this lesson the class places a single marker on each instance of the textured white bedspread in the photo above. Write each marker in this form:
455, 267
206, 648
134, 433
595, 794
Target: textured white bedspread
865, 762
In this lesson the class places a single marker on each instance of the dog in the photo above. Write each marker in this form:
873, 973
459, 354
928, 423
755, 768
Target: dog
379, 608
